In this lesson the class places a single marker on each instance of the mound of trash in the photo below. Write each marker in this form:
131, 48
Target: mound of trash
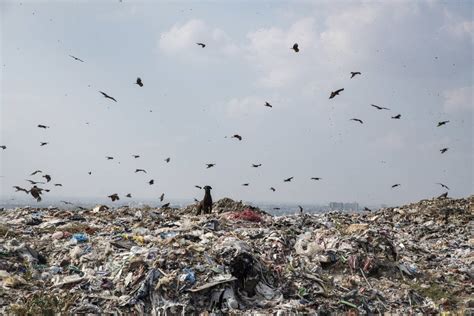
416, 258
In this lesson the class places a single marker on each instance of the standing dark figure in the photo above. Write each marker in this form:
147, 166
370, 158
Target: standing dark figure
205, 206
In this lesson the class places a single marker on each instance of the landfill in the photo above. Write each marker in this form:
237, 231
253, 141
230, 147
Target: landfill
237, 260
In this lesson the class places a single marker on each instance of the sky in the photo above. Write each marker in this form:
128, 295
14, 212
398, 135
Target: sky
415, 58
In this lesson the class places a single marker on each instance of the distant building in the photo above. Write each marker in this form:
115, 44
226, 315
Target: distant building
339, 206
353, 207
336, 206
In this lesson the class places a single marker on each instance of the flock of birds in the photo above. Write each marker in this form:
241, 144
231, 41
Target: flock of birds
36, 192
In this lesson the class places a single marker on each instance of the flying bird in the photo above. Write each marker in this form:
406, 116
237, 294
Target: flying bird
58, 185
256, 166
128, 195
17, 188
168, 159
139, 82
201, 44
288, 180
3, 147
276, 208
36, 193
43, 126
78, 59
315, 178
443, 196
245, 184
301, 209
334, 93
34, 182
166, 205
273, 189
43, 144
444, 186
109, 157
210, 165
47, 177
295, 47
114, 197
442, 123
140, 170
397, 117
66, 202
237, 136
443, 150
151, 182
355, 73
35, 172
379, 107
367, 209
395, 185
136, 156
107, 96
162, 197
357, 120
268, 105
199, 187
90, 172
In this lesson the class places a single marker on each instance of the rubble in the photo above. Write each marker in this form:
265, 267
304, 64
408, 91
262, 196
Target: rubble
239, 259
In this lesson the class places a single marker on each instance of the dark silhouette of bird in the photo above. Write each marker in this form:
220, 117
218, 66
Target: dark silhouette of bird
140, 170
201, 44
276, 208
443, 185
443, 150
35, 172
58, 185
397, 117
168, 159
66, 202
17, 188
295, 47
129, 195
245, 184
301, 209
395, 185
315, 178
273, 189
47, 177
78, 59
90, 172
268, 105
34, 182
43, 126
44, 143
196, 200
356, 120
288, 180
107, 96
151, 182
237, 136
139, 82
379, 107
367, 209
162, 197
443, 196
166, 205
136, 156
334, 93
256, 166
3, 147
114, 197
36, 193
199, 187
442, 123
354, 73
210, 165
109, 157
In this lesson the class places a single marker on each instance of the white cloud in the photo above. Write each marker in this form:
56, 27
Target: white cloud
243, 106
459, 99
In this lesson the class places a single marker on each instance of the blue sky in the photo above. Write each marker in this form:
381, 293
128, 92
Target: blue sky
416, 58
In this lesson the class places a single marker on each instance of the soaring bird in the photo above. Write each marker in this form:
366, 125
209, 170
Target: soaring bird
47, 177
78, 59
237, 136
139, 82
379, 107
295, 47
444, 186
256, 166
395, 185
210, 165
268, 105
129, 195
162, 197
44, 143
354, 73
315, 178
66, 202
17, 188
201, 44
90, 172
276, 208
43, 126
199, 187
107, 96
397, 117
443, 196
168, 159
357, 120
109, 157
151, 182
34, 182
334, 93
443, 150
367, 209
442, 123
114, 197
301, 209
166, 205
58, 185
288, 180
140, 170
245, 184
273, 189
36, 193
136, 156
35, 172
3, 147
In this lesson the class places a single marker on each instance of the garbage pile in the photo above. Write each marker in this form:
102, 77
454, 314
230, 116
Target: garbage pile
239, 260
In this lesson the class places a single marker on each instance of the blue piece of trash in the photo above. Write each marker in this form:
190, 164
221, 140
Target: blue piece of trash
80, 237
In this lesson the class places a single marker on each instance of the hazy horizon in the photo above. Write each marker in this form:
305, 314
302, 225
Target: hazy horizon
416, 58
